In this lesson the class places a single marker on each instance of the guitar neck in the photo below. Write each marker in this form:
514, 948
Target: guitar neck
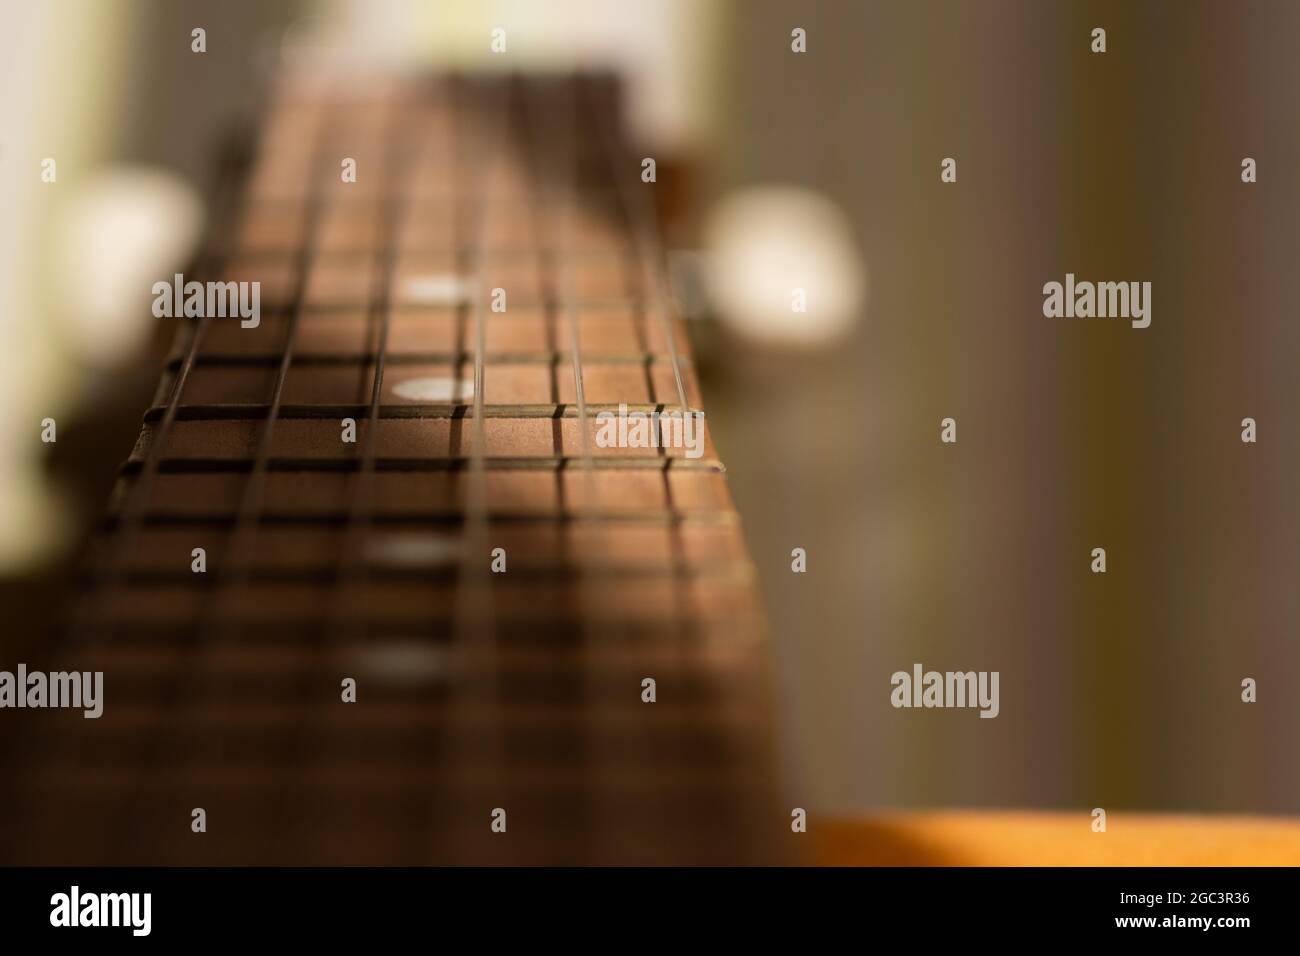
439, 532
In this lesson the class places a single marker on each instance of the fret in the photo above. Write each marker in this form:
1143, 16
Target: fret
163, 632
409, 707
450, 439
414, 601
559, 410
608, 330
534, 493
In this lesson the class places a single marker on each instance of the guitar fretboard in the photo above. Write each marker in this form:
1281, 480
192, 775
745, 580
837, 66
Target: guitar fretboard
396, 477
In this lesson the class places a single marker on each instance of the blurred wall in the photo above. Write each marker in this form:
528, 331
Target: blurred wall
1118, 690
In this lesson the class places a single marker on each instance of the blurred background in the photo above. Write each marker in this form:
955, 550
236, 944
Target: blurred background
818, 170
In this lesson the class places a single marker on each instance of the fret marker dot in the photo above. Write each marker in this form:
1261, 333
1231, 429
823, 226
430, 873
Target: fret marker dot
406, 662
435, 389
438, 289
412, 551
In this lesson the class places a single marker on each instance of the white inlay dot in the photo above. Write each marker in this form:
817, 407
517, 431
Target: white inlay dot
435, 388
437, 289
412, 551
403, 661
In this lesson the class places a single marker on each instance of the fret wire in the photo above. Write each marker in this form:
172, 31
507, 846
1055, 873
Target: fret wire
452, 517
221, 414
503, 357
307, 632
527, 572
504, 463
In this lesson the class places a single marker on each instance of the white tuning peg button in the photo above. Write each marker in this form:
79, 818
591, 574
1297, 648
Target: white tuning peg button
783, 267
121, 231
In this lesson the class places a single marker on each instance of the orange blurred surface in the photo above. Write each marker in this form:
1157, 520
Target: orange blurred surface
1010, 838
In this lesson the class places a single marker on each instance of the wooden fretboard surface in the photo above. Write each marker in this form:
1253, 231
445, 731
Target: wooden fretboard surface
371, 559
